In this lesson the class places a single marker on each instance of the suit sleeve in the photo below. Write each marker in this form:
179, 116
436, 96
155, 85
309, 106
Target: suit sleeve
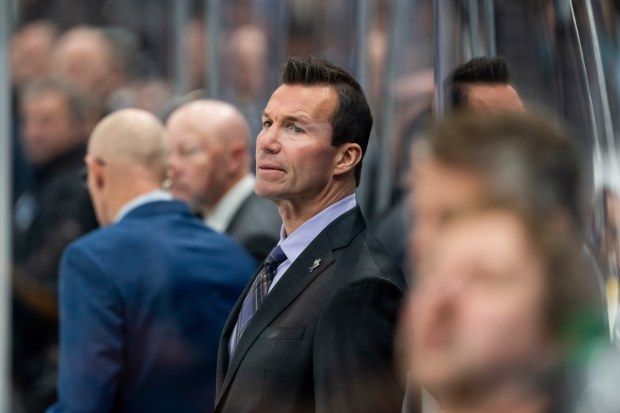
354, 350
91, 336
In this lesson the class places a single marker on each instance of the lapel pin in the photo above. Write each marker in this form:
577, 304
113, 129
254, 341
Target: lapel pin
315, 264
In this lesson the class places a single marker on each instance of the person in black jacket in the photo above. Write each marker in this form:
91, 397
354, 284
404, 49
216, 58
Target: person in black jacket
52, 212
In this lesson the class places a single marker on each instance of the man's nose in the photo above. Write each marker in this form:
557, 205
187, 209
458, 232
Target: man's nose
267, 141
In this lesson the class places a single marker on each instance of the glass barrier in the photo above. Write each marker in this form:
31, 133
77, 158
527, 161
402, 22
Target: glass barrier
563, 57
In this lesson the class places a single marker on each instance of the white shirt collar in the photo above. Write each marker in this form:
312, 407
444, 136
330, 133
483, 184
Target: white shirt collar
221, 216
153, 196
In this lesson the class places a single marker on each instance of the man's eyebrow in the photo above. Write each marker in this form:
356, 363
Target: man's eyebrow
291, 118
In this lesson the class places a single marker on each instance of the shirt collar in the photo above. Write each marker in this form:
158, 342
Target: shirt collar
153, 196
225, 210
298, 241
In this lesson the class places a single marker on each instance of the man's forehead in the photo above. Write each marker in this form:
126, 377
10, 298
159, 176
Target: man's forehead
302, 101
491, 234
446, 181
190, 129
494, 96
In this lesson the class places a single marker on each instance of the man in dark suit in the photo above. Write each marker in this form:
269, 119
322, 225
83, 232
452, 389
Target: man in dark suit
313, 331
209, 168
143, 300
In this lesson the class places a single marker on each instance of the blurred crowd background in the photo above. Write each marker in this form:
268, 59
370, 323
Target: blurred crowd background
73, 61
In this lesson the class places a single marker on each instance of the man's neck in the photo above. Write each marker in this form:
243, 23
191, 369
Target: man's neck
130, 193
295, 213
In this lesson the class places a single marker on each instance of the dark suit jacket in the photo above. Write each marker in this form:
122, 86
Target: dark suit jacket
323, 339
143, 303
256, 225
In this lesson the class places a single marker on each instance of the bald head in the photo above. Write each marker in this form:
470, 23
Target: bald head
130, 136
126, 158
209, 141
215, 120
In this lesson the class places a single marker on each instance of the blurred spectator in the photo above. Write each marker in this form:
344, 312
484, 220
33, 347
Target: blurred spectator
247, 51
502, 316
195, 53
31, 51
210, 168
30, 58
377, 55
144, 299
52, 212
98, 61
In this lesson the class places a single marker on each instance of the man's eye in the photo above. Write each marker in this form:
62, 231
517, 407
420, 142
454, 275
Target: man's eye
267, 123
296, 129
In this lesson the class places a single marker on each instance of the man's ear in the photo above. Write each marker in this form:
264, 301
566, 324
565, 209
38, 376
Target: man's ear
349, 156
95, 172
237, 159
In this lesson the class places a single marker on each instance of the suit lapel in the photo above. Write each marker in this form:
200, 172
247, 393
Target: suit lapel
292, 284
223, 358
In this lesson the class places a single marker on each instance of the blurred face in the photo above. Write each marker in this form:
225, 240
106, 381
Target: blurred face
477, 310
494, 98
31, 52
439, 192
294, 154
48, 127
86, 61
197, 167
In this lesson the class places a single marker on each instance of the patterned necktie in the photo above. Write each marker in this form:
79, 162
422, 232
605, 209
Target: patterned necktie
258, 291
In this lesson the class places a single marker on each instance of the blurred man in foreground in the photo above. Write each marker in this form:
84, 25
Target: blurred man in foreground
501, 310
210, 168
509, 156
144, 299
475, 157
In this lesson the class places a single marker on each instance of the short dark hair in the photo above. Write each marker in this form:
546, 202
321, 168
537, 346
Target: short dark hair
521, 157
352, 120
479, 70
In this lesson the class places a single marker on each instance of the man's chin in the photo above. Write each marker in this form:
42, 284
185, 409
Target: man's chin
264, 192
438, 379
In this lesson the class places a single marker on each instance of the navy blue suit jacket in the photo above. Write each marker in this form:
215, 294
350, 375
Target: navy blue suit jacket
143, 303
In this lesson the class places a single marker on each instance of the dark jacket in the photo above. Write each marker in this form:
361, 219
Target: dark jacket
323, 338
